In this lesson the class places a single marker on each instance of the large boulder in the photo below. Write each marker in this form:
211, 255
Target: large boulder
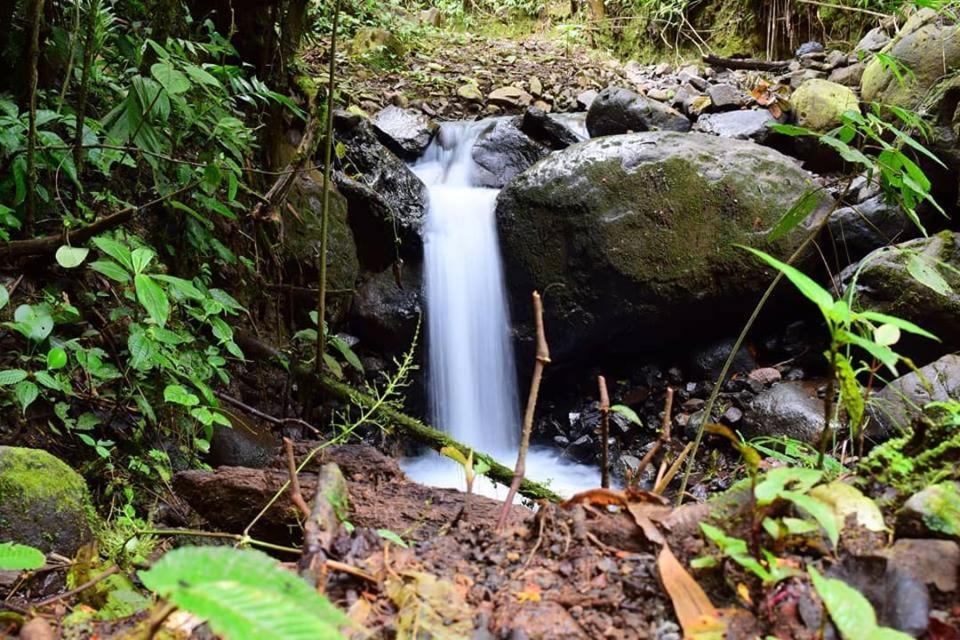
919, 281
748, 124
387, 309
43, 502
386, 201
502, 151
858, 229
819, 104
407, 132
616, 111
633, 235
786, 409
895, 408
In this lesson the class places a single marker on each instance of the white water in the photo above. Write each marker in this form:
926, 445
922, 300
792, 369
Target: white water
471, 372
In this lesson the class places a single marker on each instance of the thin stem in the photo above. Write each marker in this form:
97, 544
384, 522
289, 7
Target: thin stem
604, 433
33, 57
828, 407
81, 114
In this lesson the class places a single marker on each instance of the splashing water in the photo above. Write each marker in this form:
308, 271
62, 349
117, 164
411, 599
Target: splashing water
471, 372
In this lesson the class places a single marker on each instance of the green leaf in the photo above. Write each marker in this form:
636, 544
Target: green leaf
454, 454
140, 258
334, 366
26, 392
819, 511
174, 81
924, 270
799, 212
198, 75
792, 130
178, 394
341, 345
47, 380
20, 557
153, 298
814, 292
4, 296
850, 610
390, 536
143, 351
627, 413
850, 392
781, 479
883, 354
56, 359
112, 270
12, 376
244, 594
35, 320
70, 257
905, 325
181, 286
115, 250
886, 335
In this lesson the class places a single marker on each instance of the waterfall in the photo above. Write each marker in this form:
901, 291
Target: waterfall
470, 364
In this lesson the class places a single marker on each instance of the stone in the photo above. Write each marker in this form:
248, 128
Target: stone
662, 69
726, 96
931, 512
586, 98
660, 95
502, 151
385, 199
618, 111
808, 48
370, 40
887, 283
470, 92
849, 76
859, 229
536, 87
546, 130
429, 17
43, 502
894, 408
785, 409
406, 132
245, 444
385, 315
818, 104
933, 562
750, 124
509, 97
647, 220
928, 46
707, 363
834, 59
875, 40
765, 376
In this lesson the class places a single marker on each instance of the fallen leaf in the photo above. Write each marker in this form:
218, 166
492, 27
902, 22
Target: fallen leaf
531, 593
597, 497
646, 515
845, 500
690, 602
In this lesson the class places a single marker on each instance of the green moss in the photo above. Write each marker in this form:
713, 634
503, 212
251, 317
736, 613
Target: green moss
943, 509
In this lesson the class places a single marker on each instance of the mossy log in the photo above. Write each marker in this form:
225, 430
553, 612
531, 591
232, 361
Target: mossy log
422, 432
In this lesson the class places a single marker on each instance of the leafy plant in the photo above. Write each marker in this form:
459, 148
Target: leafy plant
20, 557
850, 610
243, 594
770, 570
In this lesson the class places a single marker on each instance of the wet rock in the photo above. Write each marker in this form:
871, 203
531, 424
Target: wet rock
509, 97
932, 512
818, 104
849, 76
707, 363
384, 314
896, 406
586, 98
546, 130
765, 376
244, 445
618, 111
859, 229
43, 502
887, 283
648, 220
726, 96
875, 40
385, 200
936, 563
502, 151
749, 124
406, 132
785, 409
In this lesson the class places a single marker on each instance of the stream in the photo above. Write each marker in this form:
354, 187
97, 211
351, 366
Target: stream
471, 368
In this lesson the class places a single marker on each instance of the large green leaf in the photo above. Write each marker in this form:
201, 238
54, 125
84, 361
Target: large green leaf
33, 321
173, 81
905, 325
70, 257
850, 610
799, 212
12, 376
115, 250
924, 270
26, 392
814, 292
4, 296
781, 479
112, 270
20, 557
152, 297
244, 594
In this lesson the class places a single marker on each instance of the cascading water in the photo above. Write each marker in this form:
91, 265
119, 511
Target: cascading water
471, 372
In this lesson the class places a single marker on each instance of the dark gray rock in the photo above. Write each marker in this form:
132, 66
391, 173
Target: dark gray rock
384, 196
407, 132
546, 130
243, 445
707, 363
385, 316
848, 76
647, 220
857, 230
502, 151
43, 502
618, 111
808, 48
895, 407
785, 409
750, 124
726, 96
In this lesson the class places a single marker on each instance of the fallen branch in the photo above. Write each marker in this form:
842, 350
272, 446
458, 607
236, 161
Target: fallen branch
747, 64
662, 440
296, 496
322, 525
255, 348
265, 416
542, 359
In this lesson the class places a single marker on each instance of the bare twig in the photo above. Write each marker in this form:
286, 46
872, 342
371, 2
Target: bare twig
542, 359
296, 496
662, 440
664, 482
265, 416
604, 433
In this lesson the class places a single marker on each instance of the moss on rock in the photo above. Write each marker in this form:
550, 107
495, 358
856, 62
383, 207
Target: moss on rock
43, 502
819, 104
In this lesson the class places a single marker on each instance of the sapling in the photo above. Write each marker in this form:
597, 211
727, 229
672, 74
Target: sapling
471, 468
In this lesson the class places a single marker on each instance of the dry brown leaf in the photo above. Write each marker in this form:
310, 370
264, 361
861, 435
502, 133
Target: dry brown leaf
597, 497
690, 602
646, 515
531, 593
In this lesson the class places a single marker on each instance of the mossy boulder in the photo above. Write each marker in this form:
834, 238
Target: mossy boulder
632, 238
43, 502
819, 104
373, 41
934, 511
919, 281
929, 46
